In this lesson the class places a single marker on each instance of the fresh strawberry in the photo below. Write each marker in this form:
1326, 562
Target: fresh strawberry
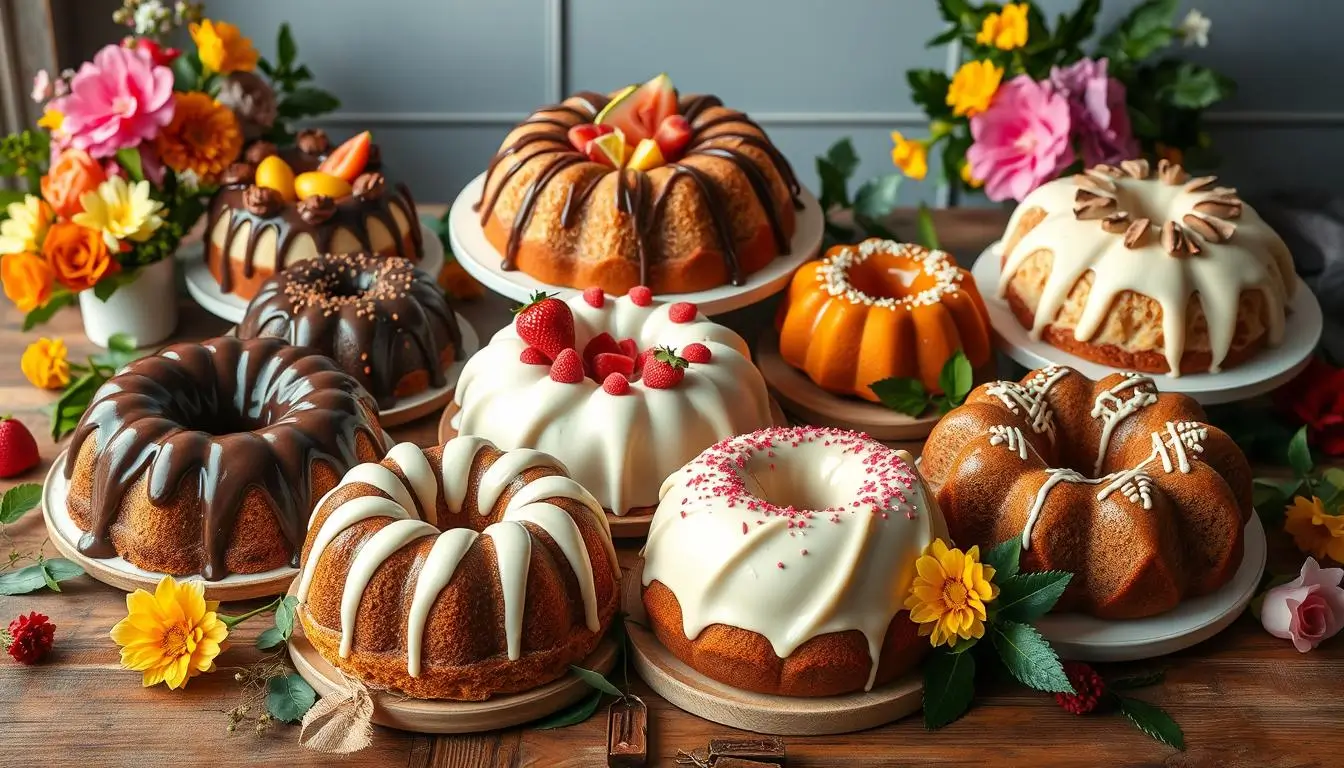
581, 134
682, 312
672, 136
600, 344
628, 348
664, 370
606, 364
695, 353
18, 449
615, 384
640, 360
567, 368
546, 323
534, 356
641, 295
595, 297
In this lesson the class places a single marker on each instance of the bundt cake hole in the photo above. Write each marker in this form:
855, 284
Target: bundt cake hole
790, 487
1149, 201
887, 276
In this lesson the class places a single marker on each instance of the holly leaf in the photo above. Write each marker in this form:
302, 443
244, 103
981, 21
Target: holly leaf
1299, 454
572, 715
596, 680
902, 395
18, 501
1136, 681
288, 697
129, 160
949, 686
956, 378
877, 197
1154, 721
1026, 597
1003, 557
1029, 657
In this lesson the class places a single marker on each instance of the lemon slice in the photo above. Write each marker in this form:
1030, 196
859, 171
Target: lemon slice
646, 156
612, 146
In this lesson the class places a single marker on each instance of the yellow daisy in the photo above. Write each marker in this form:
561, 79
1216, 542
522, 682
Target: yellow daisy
172, 635
949, 594
26, 226
1314, 530
1005, 30
910, 155
973, 87
121, 211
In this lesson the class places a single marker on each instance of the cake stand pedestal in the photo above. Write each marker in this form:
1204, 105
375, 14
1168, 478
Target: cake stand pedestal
432, 400
476, 255
687, 689
116, 572
1264, 372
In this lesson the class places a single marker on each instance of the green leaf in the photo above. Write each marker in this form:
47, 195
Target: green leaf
834, 169
877, 197
956, 378
307, 102
1029, 596
902, 395
1196, 87
44, 313
1299, 454
953, 10
285, 48
1334, 476
949, 686
8, 196
571, 715
288, 697
928, 89
944, 38
1271, 497
596, 680
928, 233
129, 160
1071, 31
48, 578
1004, 557
61, 569
1136, 681
841, 154
271, 638
285, 614
1154, 721
47, 573
187, 71
18, 500
70, 406
1030, 658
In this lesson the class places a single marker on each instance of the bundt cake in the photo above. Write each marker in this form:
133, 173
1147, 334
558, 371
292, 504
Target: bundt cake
639, 188
779, 562
381, 320
1150, 272
458, 572
279, 207
879, 310
206, 458
623, 390
1119, 484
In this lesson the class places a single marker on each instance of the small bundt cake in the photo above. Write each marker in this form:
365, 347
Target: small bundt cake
1121, 485
1150, 272
639, 188
779, 562
458, 572
879, 310
206, 458
381, 320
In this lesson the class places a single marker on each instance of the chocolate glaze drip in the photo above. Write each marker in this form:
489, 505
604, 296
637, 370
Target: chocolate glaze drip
380, 319
175, 417
709, 137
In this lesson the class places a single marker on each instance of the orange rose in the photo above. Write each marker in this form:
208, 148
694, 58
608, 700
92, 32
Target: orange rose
74, 173
27, 278
78, 256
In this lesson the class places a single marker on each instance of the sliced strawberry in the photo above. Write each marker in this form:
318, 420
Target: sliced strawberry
672, 136
546, 323
695, 353
616, 384
682, 312
600, 344
567, 368
641, 295
606, 364
628, 348
595, 297
534, 356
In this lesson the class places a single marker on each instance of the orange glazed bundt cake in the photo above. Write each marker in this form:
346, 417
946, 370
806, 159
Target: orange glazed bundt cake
206, 458
458, 572
1150, 272
879, 310
1119, 484
641, 187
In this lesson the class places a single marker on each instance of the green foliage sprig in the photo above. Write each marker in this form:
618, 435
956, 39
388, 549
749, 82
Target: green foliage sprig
69, 408
294, 99
908, 395
874, 201
46, 572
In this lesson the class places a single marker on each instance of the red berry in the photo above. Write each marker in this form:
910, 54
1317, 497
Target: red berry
601, 344
18, 449
581, 134
606, 364
595, 297
672, 136
29, 638
641, 295
546, 323
695, 353
640, 360
628, 348
567, 368
615, 384
534, 356
664, 369
682, 312
1088, 688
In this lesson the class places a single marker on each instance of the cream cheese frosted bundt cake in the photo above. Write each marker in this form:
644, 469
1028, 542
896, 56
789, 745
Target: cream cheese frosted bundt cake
1120, 484
779, 562
1154, 272
458, 572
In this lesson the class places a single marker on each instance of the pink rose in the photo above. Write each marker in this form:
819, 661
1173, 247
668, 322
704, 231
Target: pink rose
1022, 140
1097, 107
1308, 609
118, 100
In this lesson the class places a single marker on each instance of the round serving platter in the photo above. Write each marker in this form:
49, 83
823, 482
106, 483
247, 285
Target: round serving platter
1264, 372
476, 255
434, 399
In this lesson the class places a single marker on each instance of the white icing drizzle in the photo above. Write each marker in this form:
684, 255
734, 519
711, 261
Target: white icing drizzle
346, 515
1031, 397
512, 464
1012, 436
438, 570
1054, 476
421, 477
1112, 410
458, 454
513, 551
371, 557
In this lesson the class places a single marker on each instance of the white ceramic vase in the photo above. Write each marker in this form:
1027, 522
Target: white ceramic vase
144, 308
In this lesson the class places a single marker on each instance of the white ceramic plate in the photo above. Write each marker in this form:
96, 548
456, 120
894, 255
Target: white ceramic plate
417, 405
1264, 372
483, 262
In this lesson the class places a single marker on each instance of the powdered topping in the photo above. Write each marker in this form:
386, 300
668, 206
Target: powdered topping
834, 273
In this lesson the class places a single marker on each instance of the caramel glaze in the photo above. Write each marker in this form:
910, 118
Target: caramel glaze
381, 319
174, 417
633, 190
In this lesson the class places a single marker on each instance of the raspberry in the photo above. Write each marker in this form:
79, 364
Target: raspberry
695, 353
534, 356
595, 297
568, 368
1088, 687
641, 295
682, 312
615, 384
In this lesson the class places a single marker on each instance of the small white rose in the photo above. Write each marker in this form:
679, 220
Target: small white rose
1194, 29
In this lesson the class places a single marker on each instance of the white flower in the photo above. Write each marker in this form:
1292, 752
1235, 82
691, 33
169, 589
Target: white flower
189, 180
41, 86
149, 17
1194, 29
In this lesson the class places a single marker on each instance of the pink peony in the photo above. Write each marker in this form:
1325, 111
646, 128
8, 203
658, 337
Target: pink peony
1097, 106
118, 100
1308, 609
1022, 140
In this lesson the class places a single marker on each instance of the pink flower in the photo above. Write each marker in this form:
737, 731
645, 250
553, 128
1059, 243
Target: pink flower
1308, 609
1022, 140
1097, 107
41, 86
118, 100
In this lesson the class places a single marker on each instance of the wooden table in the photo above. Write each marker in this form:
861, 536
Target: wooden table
1244, 698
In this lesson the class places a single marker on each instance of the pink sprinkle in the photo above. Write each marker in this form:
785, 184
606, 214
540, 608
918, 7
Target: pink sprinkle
779, 565
804, 551
744, 528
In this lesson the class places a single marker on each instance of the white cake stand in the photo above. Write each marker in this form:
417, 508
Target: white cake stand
435, 398
205, 289
483, 262
1264, 372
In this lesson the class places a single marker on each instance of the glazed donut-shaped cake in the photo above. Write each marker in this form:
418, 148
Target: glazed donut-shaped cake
779, 561
1152, 272
458, 572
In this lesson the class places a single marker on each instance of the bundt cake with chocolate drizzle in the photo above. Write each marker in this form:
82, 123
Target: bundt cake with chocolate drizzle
207, 458
384, 322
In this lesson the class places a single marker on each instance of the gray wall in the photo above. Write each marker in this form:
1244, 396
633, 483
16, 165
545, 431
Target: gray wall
440, 81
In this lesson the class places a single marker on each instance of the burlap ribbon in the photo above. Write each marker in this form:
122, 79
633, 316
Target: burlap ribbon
342, 722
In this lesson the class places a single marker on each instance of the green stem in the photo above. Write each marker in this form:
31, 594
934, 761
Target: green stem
233, 621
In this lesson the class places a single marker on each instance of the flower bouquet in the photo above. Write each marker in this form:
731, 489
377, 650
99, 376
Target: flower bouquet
1030, 104
128, 151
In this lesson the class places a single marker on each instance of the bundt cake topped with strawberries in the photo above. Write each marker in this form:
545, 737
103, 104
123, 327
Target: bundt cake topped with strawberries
641, 187
1122, 485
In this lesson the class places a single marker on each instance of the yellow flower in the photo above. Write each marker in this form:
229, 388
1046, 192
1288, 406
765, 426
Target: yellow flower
1006, 30
52, 120
26, 226
171, 635
44, 363
222, 47
973, 87
203, 137
121, 211
970, 179
1315, 531
911, 156
948, 597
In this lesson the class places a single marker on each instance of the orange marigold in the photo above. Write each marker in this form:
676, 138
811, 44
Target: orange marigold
204, 137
